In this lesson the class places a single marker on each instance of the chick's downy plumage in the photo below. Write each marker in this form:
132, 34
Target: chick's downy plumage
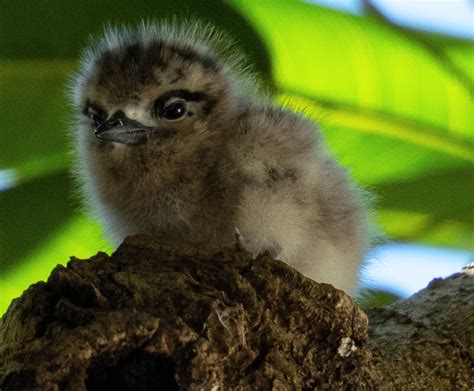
174, 138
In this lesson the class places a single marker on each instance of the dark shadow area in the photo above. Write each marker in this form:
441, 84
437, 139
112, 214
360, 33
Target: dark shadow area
136, 372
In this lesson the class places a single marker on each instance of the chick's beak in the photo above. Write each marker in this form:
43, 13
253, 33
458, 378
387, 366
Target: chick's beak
123, 130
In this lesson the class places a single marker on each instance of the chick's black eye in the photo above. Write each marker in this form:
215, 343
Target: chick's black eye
175, 110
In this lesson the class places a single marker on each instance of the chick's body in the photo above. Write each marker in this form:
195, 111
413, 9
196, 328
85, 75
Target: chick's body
175, 141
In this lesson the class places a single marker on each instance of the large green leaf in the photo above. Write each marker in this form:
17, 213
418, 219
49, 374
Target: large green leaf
462, 55
353, 61
455, 51
396, 115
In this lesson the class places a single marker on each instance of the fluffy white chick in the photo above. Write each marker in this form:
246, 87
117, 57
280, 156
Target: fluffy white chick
175, 138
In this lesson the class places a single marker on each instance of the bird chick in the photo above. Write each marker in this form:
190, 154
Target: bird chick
175, 138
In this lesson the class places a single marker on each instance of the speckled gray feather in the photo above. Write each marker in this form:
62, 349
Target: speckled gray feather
233, 159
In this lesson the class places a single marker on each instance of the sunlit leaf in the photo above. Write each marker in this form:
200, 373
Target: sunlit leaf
399, 149
342, 59
390, 109
463, 56
457, 50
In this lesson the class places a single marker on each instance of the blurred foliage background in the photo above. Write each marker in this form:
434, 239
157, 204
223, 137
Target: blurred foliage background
396, 107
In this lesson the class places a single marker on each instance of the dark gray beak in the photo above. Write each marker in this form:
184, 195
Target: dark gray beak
123, 130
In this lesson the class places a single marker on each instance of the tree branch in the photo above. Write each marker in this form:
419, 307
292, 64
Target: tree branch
155, 316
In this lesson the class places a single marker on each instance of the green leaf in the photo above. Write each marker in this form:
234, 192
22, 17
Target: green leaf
435, 209
462, 55
355, 134
350, 60
460, 51
390, 110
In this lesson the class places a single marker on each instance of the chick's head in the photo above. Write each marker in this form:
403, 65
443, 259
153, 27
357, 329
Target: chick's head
156, 95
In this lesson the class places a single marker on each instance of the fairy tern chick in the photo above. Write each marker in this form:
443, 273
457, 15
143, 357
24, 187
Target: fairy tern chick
175, 138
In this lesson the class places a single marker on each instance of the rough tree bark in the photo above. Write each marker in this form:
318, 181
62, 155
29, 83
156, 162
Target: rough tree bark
156, 317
